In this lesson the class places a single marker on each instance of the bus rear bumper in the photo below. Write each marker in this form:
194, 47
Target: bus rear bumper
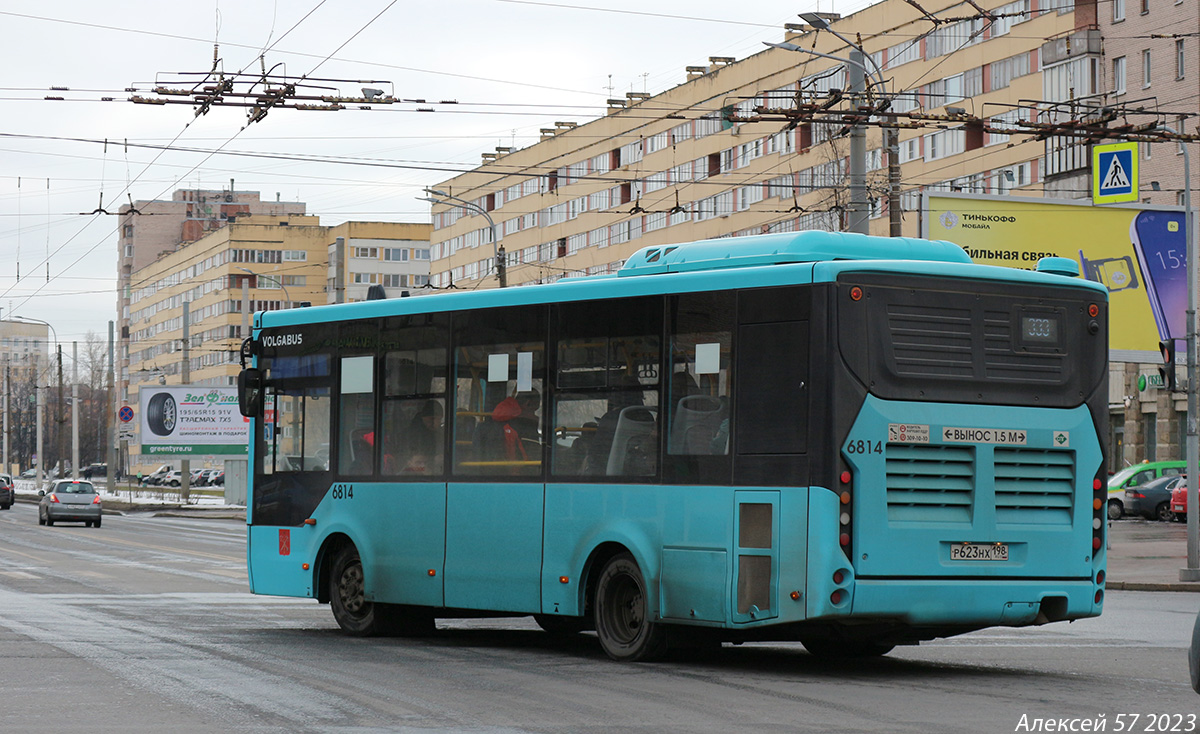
1006, 603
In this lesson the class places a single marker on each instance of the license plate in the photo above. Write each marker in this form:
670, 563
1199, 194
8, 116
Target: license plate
973, 552
1177, 508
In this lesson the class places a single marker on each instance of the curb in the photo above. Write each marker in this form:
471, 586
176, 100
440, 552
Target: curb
120, 507
1144, 586
210, 514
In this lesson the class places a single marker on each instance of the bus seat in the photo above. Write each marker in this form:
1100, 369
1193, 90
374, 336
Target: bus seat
694, 428
634, 423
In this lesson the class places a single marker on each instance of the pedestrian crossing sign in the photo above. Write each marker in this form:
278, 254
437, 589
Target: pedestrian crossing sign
1114, 173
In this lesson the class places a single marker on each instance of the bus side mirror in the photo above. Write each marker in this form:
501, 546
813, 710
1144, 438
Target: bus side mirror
250, 392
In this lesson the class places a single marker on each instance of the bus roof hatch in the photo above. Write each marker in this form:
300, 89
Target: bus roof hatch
784, 248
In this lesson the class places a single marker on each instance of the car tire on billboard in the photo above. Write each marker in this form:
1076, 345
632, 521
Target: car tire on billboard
161, 413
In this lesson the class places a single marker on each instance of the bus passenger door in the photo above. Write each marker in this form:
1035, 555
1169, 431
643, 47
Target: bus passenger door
494, 546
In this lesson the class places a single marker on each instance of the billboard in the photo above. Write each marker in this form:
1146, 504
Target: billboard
192, 420
1140, 253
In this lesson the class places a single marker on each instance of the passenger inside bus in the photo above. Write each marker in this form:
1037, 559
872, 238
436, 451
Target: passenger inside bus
424, 440
512, 432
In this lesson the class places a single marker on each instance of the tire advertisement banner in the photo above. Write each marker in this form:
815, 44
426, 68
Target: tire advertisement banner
1138, 252
192, 420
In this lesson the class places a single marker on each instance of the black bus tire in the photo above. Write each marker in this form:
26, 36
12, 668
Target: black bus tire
347, 598
161, 414
622, 616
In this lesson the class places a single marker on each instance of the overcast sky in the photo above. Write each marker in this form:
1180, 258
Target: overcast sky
514, 66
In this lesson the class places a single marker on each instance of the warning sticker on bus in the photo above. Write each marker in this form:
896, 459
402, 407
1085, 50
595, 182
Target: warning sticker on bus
984, 435
907, 433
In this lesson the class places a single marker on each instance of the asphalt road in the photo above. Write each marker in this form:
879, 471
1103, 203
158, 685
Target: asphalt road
146, 625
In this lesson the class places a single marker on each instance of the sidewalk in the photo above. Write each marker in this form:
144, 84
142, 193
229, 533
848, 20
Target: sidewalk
1147, 556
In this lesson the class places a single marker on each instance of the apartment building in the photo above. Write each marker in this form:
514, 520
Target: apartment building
25, 362
672, 167
1152, 55
23, 347
256, 263
394, 256
150, 228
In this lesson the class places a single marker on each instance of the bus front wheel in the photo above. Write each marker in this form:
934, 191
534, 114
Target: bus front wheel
362, 618
623, 623
347, 599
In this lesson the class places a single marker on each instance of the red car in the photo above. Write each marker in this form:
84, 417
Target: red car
1179, 503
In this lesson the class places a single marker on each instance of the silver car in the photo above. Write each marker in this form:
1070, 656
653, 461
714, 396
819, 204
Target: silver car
72, 501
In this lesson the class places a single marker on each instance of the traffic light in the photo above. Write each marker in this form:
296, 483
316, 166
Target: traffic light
1167, 370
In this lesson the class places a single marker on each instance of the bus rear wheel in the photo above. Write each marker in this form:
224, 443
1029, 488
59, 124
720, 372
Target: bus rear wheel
1115, 510
623, 623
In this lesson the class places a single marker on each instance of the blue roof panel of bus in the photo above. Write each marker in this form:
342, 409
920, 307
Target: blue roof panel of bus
786, 247
730, 262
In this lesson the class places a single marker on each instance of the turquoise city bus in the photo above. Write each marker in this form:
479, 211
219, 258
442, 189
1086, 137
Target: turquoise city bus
850, 441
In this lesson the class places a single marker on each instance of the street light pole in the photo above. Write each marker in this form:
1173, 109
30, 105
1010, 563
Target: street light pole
185, 464
858, 75
1192, 572
75, 410
500, 260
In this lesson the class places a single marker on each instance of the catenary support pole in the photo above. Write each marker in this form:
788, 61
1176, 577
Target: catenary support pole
110, 424
185, 466
75, 410
1192, 572
860, 207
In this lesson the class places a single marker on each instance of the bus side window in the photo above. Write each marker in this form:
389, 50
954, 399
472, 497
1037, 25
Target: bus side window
499, 363
771, 409
606, 388
414, 395
356, 417
701, 383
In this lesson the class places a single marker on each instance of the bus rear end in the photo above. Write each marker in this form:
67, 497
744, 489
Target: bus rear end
966, 451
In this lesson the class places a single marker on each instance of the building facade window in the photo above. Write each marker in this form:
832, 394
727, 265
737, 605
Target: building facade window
1146, 74
1118, 7
1118, 75
1180, 67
